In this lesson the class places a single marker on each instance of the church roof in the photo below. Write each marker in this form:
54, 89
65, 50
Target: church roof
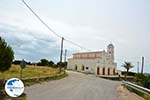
88, 52
110, 45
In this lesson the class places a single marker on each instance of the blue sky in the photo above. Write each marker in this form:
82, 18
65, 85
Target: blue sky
90, 23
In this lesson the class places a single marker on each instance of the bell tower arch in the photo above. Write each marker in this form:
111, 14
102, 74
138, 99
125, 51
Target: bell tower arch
110, 51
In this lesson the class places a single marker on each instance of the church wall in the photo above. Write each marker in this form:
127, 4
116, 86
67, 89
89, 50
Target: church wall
92, 66
80, 63
93, 61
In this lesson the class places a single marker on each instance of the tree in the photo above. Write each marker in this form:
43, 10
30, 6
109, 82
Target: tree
6, 58
6, 55
62, 64
127, 66
43, 62
51, 63
17, 62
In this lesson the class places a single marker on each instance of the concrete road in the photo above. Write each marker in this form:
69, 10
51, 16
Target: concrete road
76, 86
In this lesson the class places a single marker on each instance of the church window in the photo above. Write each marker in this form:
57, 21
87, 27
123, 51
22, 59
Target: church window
76, 67
82, 67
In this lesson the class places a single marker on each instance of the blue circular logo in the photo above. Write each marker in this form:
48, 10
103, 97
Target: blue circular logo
14, 87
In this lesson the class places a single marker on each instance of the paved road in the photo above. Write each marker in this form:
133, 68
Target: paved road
75, 87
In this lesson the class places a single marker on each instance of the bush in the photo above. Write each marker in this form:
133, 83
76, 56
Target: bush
143, 80
129, 73
62, 64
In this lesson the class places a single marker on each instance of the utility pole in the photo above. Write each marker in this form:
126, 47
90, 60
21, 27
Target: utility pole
61, 51
65, 55
142, 65
138, 67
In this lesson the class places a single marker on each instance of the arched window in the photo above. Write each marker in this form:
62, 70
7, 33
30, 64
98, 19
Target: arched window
76, 67
82, 67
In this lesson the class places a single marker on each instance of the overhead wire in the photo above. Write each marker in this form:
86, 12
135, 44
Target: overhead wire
77, 45
50, 29
39, 18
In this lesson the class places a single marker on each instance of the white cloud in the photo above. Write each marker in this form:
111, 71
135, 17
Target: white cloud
29, 45
92, 24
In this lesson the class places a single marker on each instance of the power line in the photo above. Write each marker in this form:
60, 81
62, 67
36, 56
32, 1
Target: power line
40, 19
77, 45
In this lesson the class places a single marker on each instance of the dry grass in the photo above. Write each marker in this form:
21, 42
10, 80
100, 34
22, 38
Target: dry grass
29, 71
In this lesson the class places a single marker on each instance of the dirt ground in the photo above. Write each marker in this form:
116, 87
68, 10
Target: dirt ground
124, 94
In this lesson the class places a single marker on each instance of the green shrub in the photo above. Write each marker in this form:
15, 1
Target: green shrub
143, 80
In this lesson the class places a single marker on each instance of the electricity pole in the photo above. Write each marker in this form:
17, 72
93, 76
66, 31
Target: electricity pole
61, 51
142, 65
137, 67
65, 55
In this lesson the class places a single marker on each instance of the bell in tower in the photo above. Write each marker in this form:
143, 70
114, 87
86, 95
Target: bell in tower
110, 51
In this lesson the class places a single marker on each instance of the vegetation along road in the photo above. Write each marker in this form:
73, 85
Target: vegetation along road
76, 86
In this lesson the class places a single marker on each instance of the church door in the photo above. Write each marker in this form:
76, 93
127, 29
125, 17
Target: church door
108, 71
98, 71
104, 71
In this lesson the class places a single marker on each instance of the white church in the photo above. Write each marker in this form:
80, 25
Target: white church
98, 63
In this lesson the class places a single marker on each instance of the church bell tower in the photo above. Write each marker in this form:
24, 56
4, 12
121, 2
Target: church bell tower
110, 51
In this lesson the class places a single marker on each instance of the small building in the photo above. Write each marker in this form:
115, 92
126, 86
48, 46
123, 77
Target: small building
98, 63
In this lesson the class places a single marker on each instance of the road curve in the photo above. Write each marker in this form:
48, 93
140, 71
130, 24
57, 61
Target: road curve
76, 86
